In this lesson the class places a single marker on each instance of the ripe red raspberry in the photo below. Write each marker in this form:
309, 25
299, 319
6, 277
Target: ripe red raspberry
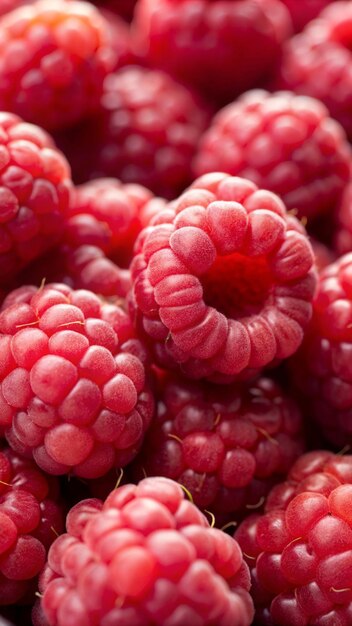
317, 62
343, 235
146, 557
282, 142
303, 12
223, 280
226, 446
322, 369
219, 47
300, 550
73, 381
54, 58
30, 518
34, 194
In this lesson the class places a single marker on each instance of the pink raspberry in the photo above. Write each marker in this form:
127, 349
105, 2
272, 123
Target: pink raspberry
34, 194
282, 142
73, 381
322, 370
303, 12
300, 550
317, 62
226, 446
343, 235
54, 58
146, 557
30, 518
219, 47
223, 280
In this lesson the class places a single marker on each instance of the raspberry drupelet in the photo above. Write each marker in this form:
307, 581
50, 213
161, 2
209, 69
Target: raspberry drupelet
223, 280
74, 392
283, 142
226, 446
300, 550
317, 62
321, 370
54, 58
218, 47
303, 12
34, 194
144, 557
30, 520
343, 234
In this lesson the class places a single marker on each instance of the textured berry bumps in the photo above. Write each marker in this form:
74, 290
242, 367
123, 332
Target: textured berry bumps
317, 62
322, 368
34, 194
283, 142
226, 446
300, 549
145, 557
54, 58
223, 280
73, 384
218, 47
30, 519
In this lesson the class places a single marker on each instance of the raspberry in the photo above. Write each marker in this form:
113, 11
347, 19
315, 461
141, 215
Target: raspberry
321, 370
300, 549
120, 40
303, 12
282, 142
147, 133
223, 280
323, 50
323, 255
73, 381
9, 5
343, 235
54, 58
34, 194
219, 47
227, 447
29, 519
145, 557
124, 8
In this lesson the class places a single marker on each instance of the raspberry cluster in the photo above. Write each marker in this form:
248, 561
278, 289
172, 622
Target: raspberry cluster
146, 556
282, 142
223, 280
300, 549
73, 381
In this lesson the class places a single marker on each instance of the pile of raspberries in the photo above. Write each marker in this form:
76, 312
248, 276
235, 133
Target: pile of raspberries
176, 313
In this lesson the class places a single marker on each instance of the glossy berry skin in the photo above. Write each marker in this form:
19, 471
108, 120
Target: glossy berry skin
144, 557
343, 234
73, 381
54, 58
299, 551
226, 446
223, 280
30, 519
321, 370
34, 194
218, 47
323, 49
303, 12
282, 142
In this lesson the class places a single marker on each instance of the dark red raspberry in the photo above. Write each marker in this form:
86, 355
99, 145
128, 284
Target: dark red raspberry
303, 12
219, 47
343, 235
146, 557
300, 550
317, 62
30, 519
34, 194
223, 280
73, 381
322, 369
147, 132
283, 142
226, 446
54, 58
